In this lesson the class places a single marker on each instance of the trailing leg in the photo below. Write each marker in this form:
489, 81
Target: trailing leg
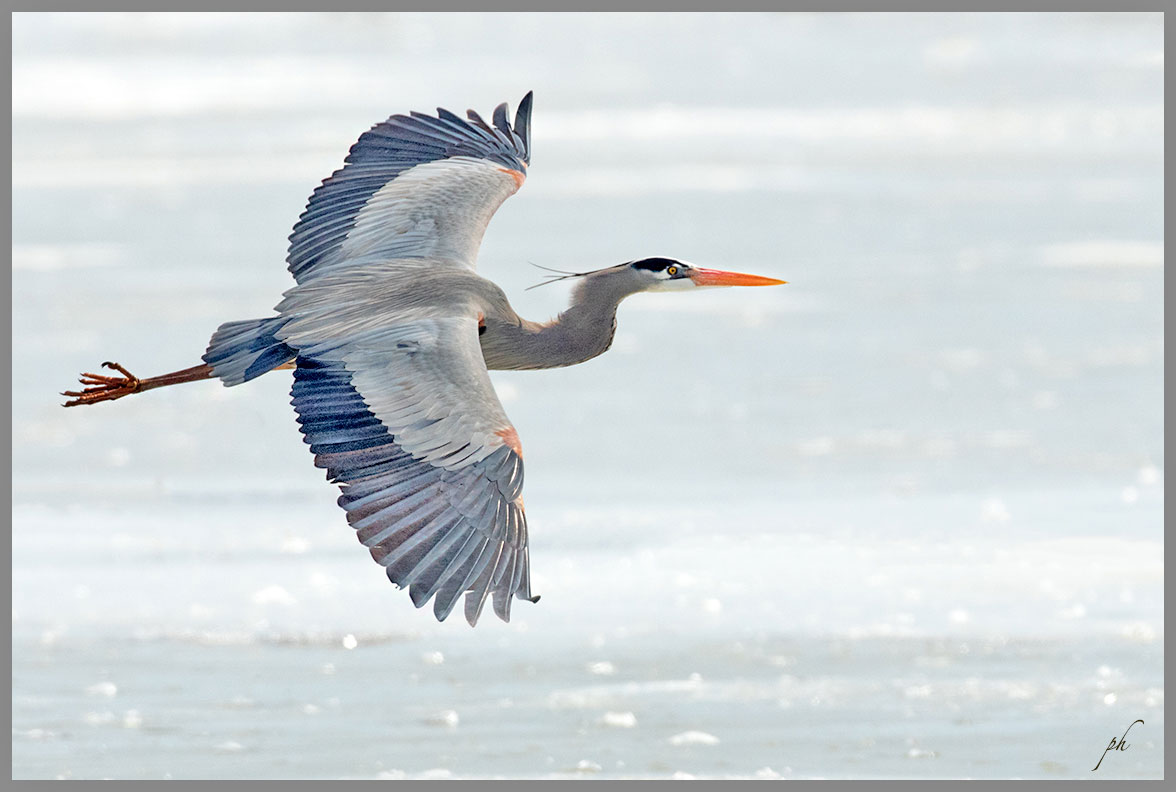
100, 387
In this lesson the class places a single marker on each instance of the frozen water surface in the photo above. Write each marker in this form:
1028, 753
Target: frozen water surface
900, 518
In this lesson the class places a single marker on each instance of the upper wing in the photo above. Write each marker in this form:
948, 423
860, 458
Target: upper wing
414, 186
405, 419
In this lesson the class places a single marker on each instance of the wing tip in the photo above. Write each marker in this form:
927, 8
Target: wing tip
522, 124
474, 604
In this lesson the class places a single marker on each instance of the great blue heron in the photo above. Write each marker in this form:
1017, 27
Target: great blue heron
390, 332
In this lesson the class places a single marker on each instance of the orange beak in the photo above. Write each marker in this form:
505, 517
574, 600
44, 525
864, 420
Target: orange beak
709, 277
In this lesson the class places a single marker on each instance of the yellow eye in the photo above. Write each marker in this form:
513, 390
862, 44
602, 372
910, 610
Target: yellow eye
671, 271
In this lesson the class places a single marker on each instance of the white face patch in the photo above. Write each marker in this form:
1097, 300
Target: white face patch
667, 283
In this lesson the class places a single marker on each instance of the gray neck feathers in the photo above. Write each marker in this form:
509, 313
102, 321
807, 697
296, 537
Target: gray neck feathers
579, 333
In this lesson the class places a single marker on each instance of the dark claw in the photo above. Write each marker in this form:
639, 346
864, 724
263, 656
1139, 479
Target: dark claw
120, 370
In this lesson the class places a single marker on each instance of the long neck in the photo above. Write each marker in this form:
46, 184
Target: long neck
579, 333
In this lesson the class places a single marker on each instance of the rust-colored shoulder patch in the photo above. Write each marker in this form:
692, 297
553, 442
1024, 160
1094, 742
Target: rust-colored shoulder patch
518, 176
511, 439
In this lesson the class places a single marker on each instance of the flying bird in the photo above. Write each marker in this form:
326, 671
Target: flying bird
390, 332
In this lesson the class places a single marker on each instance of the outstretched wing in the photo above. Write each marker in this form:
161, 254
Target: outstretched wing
414, 186
405, 419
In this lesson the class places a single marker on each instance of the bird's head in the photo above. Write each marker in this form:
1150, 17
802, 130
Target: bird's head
651, 275
667, 274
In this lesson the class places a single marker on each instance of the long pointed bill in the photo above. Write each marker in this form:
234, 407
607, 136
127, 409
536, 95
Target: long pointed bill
709, 277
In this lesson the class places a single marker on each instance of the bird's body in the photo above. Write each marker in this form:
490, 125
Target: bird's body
391, 332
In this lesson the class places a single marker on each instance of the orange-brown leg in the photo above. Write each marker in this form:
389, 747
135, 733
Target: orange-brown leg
100, 387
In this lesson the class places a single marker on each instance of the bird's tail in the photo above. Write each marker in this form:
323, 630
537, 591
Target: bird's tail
240, 351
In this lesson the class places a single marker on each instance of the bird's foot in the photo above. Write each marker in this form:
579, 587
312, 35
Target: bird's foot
100, 387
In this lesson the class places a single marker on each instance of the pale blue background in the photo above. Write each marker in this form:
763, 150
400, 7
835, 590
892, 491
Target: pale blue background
902, 517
